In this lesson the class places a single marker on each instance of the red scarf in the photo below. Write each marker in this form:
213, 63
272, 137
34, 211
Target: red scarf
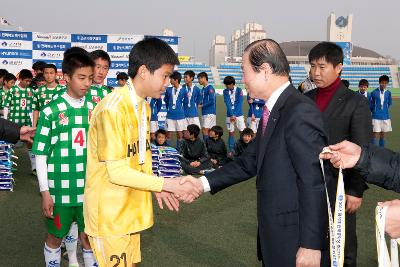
324, 95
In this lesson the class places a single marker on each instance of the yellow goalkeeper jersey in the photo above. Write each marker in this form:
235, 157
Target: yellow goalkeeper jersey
112, 209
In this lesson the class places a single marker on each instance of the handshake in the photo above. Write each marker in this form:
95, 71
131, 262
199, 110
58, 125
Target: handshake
185, 189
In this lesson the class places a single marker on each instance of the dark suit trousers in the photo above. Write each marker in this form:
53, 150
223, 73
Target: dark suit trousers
350, 247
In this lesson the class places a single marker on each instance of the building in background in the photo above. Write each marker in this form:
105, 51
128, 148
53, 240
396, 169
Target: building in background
240, 39
218, 51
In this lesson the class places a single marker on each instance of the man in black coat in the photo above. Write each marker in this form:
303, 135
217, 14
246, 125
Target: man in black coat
291, 200
11, 132
346, 116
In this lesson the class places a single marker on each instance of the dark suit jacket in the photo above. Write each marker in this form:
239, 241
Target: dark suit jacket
347, 117
291, 198
9, 131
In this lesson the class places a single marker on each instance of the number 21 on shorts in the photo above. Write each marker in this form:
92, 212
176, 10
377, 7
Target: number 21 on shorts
78, 138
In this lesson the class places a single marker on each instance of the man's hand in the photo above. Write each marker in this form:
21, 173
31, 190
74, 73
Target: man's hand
195, 182
186, 192
27, 133
214, 161
308, 257
47, 204
352, 204
392, 224
195, 164
344, 154
169, 200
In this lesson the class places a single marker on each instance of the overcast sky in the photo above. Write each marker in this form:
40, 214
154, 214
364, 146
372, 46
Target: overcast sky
375, 23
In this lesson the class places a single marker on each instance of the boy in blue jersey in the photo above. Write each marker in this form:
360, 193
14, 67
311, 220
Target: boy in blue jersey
194, 98
155, 106
255, 112
208, 104
174, 99
233, 98
380, 102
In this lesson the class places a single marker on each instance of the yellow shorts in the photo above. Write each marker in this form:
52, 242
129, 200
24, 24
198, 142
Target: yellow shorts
120, 251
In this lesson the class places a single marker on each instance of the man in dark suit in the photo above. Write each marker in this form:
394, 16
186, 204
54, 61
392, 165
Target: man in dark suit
291, 199
346, 116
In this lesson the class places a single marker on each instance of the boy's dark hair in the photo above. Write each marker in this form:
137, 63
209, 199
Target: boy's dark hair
100, 54
75, 60
246, 131
152, 53
122, 76
190, 73
202, 74
38, 65
161, 131
9, 77
75, 49
331, 52
384, 78
228, 80
267, 51
176, 75
50, 66
193, 129
25, 74
346, 83
3, 73
39, 77
363, 82
217, 130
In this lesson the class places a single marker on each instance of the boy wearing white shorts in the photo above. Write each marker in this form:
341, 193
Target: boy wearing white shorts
208, 104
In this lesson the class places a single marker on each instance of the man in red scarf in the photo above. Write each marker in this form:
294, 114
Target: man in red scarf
346, 116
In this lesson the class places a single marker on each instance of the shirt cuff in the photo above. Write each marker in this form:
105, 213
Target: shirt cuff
205, 183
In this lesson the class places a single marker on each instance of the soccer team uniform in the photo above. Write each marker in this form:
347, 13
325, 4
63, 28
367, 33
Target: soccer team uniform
174, 99
61, 135
380, 102
155, 106
44, 95
233, 101
115, 213
209, 108
3, 95
19, 102
97, 92
191, 103
256, 109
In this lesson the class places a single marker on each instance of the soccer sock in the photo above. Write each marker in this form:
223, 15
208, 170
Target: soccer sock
88, 258
71, 243
231, 142
381, 142
373, 141
33, 159
52, 256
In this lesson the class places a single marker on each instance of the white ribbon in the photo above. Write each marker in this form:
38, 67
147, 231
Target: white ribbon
232, 95
142, 121
175, 96
190, 93
337, 226
384, 260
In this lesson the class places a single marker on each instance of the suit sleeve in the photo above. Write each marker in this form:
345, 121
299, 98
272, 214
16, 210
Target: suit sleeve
361, 134
239, 170
380, 166
305, 139
9, 131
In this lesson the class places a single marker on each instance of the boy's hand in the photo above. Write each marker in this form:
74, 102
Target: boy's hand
214, 161
169, 200
47, 205
253, 118
195, 164
233, 118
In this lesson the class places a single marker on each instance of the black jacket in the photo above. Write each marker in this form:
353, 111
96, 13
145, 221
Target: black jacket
217, 150
9, 131
380, 166
240, 147
347, 117
194, 150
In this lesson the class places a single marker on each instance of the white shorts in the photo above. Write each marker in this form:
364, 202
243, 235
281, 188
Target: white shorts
253, 124
153, 126
176, 125
239, 124
194, 120
381, 126
209, 120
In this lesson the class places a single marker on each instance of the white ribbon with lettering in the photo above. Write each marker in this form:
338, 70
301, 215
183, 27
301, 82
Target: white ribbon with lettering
175, 96
142, 121
337, 222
